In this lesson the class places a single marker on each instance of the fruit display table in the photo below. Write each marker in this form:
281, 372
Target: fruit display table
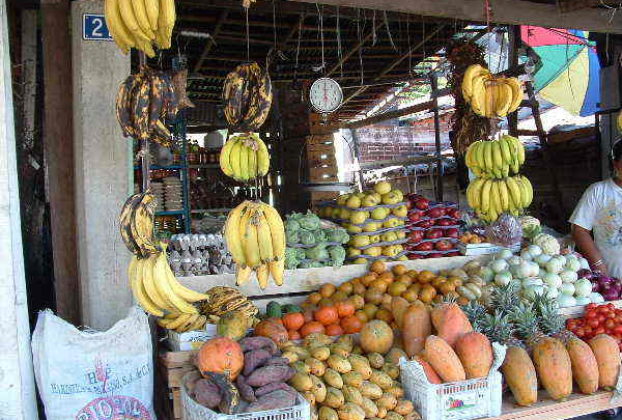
301, 282
576, 405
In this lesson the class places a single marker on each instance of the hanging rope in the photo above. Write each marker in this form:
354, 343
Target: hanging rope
339, 54
360, 39
410, 52
321, 22
298, 49
373, 24
423, 37
248, 38
386, 24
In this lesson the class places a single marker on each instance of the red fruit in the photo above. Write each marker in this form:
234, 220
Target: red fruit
414, 257
445, 222
435, 255
443, 245
434, 234
451, 232
434, 213
415, 215
422, 203
425, 224
416, 236
425, 246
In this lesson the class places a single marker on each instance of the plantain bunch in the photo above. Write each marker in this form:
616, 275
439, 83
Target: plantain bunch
255, 236
140, 24
247, 96
146, 100
245, 157
491, 96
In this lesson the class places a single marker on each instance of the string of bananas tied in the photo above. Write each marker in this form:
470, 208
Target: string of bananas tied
145, 101
255, 236
245, 157
140, 24
491, 96
495, 158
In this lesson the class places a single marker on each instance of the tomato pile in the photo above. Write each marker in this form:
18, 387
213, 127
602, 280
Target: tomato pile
598, 319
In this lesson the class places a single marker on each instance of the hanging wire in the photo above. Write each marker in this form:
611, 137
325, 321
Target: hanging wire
298, 48
373, 24
386, 24
410, 52
321, 22
360, 39
423, 37
339, 54
248, 38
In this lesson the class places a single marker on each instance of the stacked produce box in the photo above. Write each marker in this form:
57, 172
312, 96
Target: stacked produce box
433, 228
312, 243
375, 220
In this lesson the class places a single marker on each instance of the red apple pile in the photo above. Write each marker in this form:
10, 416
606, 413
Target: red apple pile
433, 228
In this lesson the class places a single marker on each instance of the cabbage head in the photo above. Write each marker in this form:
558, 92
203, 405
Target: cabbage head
318, 252
292, 225
309, 221
306, 237
300, 254
337, 255
316, 264
320, 236
333, 235
291, 258
291, 237
305, 264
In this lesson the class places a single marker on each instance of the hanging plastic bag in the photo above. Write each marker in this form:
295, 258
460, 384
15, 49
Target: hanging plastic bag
506, 231
91, 375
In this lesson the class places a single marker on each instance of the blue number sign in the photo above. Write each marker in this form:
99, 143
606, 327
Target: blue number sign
94, 28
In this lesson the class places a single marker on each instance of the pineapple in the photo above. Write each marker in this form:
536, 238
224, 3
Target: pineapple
504, 298
476, 314
549, 320
549, 354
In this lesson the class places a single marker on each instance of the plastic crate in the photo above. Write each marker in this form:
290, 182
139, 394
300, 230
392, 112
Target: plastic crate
191, 410
470, 399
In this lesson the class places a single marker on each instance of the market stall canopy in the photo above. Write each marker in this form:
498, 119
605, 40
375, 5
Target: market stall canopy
568, 74
368, 52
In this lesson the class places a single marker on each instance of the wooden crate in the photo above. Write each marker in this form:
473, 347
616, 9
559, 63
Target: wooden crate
171, 367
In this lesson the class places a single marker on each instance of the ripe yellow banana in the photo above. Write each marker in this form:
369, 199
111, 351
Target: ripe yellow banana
515, 191
467, 81
242, 275
166, 22
517, 93
244, 174
235, 159
506, 98
185, 327
277, 269
263, 276
148, 280
478, 97
277, 230
489, 163
179, 321
248, 229
233, 235
140, 12
183, 292
474, 192
128, 17
166, 288
263, 158
485, 205
528, 190
225, 158
504, 195
134, 268
120, 33
479, 154
264, 237
153, 11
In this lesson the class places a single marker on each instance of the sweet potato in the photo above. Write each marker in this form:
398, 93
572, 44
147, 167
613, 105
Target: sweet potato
272, 401
255, 359
207, 393
270, 374
256, 343
266, 389
276, 361
246, 391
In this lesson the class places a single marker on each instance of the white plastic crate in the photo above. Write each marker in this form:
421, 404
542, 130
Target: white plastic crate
191, 410
483, 249
470, 399
190, 340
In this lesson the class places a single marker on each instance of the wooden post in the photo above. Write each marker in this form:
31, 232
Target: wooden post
18, 396
437, 138
514, 43
59, 151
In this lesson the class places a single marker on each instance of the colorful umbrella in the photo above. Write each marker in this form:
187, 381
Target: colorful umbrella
568, 74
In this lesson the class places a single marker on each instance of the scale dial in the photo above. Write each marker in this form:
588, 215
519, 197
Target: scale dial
325, 95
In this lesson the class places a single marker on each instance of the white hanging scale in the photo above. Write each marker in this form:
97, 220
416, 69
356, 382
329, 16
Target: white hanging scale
325, 95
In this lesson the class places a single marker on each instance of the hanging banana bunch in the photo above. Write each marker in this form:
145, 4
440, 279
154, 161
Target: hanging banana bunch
245, 157
490, 198
495, 158
247, 95
491, 96
146, 100
255, 236
140, 24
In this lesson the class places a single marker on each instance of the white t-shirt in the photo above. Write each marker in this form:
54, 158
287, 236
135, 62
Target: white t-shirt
600, 210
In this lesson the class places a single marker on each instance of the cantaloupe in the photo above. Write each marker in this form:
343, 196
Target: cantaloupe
439, 354
553, 367
584, 365
450, 322
475, 354
520, 375
607, 355
416, 327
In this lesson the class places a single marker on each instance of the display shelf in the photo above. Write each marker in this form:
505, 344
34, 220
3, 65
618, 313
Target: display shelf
166, 167
205, 166
576, 405
169, 213
216, 210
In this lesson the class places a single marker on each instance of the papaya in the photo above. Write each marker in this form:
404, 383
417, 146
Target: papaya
475, 354
439, 354
584, 365
416, 327
520, 375
607, 355
450, 322
553, 367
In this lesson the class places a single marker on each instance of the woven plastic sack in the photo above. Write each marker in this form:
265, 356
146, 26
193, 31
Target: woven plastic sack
91, 375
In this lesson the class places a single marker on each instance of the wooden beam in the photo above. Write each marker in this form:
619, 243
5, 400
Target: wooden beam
211, 41
503, 11
59, 151
390, 115
397, 62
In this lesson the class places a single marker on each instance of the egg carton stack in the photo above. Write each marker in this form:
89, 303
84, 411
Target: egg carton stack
157, 189
199, 255
173, 200
376, 232
433, 228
